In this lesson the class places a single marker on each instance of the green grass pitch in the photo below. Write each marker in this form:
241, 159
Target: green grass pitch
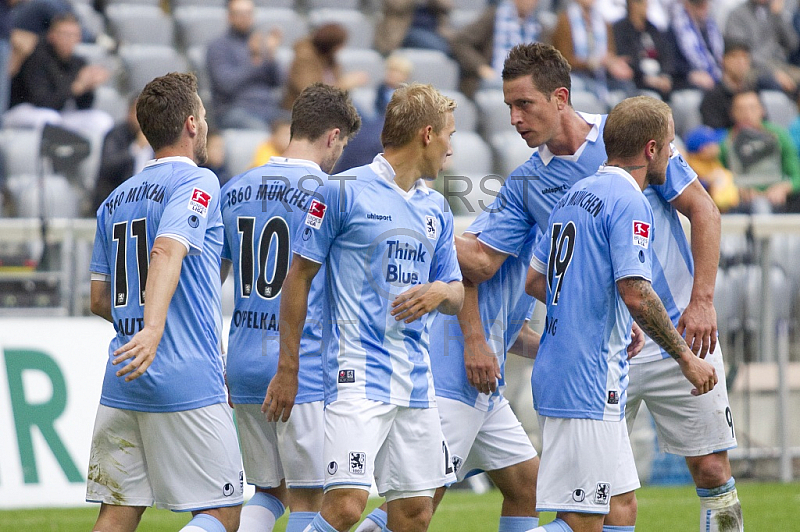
766, 506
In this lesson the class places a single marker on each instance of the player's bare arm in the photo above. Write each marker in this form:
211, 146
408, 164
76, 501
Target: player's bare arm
282, 389
224, 269
478, 261
527, 343
536, 285
648, 311
100, 303
480, 362
166, 259
698, 323
419, 300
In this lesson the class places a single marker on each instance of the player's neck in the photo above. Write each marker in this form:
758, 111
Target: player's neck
572, 135
405, 166
302, 149
635, 168
176, 151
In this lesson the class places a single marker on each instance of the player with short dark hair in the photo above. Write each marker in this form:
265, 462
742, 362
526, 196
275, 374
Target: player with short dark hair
164, 434
262, 210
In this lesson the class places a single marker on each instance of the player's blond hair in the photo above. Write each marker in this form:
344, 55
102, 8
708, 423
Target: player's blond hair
412, 108
633, 123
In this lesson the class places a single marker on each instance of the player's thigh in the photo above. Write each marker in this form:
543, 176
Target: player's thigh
193, 458
260, 451
355, 431
501, 442
415, 441
117, 466
689, 425
300, 442
584, 462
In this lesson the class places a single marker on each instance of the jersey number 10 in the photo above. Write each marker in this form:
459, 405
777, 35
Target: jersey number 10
275, 229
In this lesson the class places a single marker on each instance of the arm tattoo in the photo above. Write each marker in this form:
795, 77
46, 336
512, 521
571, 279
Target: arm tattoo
652, 317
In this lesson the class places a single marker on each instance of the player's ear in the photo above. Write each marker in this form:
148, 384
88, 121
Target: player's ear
333, 136
427, 134
562, 96
650, 149
191, 125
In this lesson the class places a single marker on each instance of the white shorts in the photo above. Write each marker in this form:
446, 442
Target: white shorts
584, 463
402, 448
182, 461
686, 425
272, 451
483, 441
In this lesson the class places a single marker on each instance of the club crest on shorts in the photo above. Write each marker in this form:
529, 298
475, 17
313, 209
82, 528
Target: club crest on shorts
602, 493
333, 467
358, 462
641, 234
457, 463
199, 202
578, 495
430, 227
316, 213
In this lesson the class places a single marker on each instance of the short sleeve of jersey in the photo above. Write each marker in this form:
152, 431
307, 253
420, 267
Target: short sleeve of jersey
100, 262
445, 266
226, 245
189, 208
630, 234
509, 218
322, 223
679, 176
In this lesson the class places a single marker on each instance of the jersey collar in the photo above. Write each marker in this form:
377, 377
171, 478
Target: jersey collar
381, 166
286, 161
594, 120
174, 159
619, 171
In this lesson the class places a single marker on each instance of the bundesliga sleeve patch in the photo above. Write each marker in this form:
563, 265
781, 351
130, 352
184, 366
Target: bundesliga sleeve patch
641, 234
199, 202
316, 213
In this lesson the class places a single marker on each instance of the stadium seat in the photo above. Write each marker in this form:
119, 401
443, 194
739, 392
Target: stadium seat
61, 199
143, 63
21, 150
587, 102
91, 21
461, 17
360, 29
198, 25
109, 99
432, 66
204, 3
364, 100
284, 56
240, 145
334, 4
370, 61
781, 306
686, 110
780, 109
275, 3
156, 3
471, 159
140, 24
466, 113
197, 61
293, 26
510, 151
493, 112
476, 5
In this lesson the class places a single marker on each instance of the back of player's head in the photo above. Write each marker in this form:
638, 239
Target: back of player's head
320, 108
543, 63
412, 108
633, 123
164, 105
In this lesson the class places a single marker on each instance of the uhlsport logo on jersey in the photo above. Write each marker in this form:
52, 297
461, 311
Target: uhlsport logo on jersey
199, 202
316, 213
641, 233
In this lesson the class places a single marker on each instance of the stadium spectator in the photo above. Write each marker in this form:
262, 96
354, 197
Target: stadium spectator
289, 455
277, 142
587, 42
217, 157
164, 433
699, 46
648, 50
30, 21
738, 75
414, 24
315, 62
5, 55
569, 146
245, 76
481, 47
761, 155
763, 26
387, 243
53, 80
658, 11
125, 153
396, 71
702, 145
579, 383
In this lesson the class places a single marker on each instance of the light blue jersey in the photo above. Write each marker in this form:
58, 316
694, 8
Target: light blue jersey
262, 210
504, 308
533, 189
173, 198
377, 241
599, 233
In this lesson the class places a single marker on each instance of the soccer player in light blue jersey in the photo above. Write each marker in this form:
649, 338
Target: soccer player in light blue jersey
386, 241
569, 146
164, 433
262, 210
593, 269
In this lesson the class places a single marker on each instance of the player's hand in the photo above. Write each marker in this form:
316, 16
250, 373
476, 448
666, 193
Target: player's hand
142, 349
481, 365
281, 393
699, 372
698, 325
637, 341
418, 301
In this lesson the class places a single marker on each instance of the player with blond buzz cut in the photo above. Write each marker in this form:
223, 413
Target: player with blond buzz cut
386, 240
